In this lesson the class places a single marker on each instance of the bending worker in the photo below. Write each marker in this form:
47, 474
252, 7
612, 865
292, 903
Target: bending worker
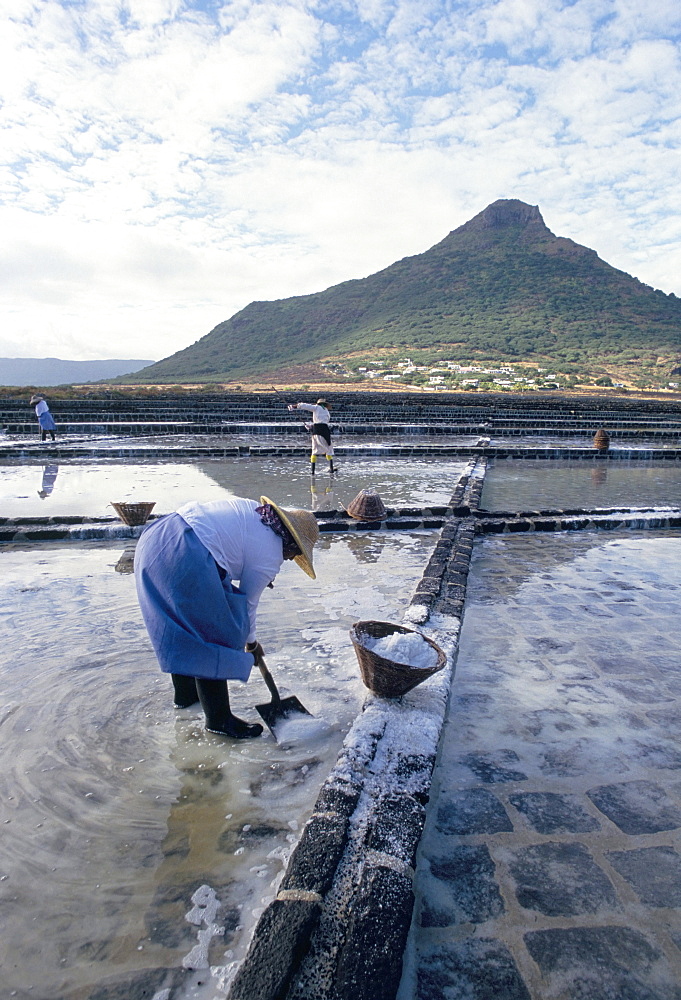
201, 625
321, 432
45, 418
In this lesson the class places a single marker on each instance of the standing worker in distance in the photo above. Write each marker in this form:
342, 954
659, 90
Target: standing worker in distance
45, 418
321, 432
201, 625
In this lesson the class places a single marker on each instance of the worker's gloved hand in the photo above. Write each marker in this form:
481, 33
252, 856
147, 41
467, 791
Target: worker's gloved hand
291, 406
256, 649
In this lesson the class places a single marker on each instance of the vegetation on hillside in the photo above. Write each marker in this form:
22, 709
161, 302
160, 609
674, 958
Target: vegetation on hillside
502, 288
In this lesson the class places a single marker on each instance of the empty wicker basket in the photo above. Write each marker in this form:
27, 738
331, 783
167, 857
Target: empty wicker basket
386, 677
133, 513
367, 506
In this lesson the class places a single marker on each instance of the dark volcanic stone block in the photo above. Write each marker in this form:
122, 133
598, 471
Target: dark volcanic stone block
494, 767
491, 527
280, 942
342, 800
575, 525
453, 608
370, 963
549, 812
414, 771
397, 826
435, 567
560, 880
45, 534
315, 859
653, 872
473, 811
601, 963
637, 806
468, 890
477, 969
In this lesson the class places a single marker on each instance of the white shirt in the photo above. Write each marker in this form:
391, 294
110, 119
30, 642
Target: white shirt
249, 552
41, 407
320, 414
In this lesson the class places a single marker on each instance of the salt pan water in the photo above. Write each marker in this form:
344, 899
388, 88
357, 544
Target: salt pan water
54, 489
121, 818
521, 484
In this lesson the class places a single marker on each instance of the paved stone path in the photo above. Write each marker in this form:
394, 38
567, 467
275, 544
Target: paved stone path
550, 865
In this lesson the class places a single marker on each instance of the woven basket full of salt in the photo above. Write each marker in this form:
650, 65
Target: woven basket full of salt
392, 658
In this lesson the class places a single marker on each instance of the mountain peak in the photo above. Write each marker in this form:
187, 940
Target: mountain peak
501, 286
505, 212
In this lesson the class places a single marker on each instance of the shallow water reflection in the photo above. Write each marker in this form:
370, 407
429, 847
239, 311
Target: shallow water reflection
523, 484
88, 489
115, 809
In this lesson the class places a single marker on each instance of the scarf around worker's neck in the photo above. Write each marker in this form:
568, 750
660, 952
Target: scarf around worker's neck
271, 519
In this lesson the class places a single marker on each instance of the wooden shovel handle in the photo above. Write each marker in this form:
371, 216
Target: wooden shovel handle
269, 680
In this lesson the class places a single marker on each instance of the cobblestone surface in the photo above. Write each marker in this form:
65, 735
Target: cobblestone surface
550, 865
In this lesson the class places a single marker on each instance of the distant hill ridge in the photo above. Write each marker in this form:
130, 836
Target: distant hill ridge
500, 286
53, 371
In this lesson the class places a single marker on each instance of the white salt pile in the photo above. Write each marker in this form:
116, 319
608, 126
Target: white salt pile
409, 648
300, 727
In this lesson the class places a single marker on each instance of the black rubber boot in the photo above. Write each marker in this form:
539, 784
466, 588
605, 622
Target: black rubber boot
185, 691
214, 699
331, 468
312, 468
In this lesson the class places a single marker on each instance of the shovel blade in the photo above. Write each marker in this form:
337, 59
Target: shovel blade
279, 711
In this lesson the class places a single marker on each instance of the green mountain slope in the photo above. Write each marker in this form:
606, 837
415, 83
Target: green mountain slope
501, 286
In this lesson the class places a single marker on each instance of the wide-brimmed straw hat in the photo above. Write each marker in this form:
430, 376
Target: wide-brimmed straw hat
322, 402
35, 399
367, 506
303, 526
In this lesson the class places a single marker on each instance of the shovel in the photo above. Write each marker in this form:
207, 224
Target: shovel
279, 709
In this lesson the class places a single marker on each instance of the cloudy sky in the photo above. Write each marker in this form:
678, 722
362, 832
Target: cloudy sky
166, 162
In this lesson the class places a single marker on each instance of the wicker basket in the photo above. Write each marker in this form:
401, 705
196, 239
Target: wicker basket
367, 506
386, 677
601, 439
133, 513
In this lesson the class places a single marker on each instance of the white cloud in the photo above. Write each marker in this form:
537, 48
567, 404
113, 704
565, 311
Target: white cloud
167, 161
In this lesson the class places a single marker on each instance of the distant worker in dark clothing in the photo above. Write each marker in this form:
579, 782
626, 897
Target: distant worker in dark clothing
45, 419
320, 430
